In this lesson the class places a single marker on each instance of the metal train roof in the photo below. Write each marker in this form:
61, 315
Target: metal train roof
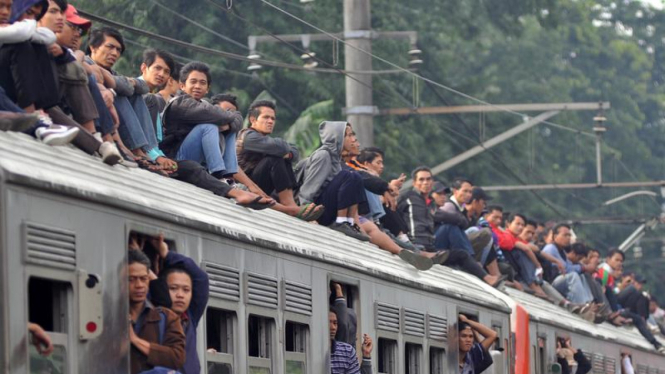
545, 312
68, 171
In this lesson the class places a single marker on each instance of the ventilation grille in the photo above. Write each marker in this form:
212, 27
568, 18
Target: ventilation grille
262, 291
50, 246
642, 369
387, 317
297, 298
652, 370
414, 322
598, 363
611, 365
437, 328
224, 282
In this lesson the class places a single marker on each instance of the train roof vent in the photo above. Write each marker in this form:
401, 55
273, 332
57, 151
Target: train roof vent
437, 327
598, 363
262, 290
297, 298
611, 365
414, 322
49, 246
642, 369
387, 317
224, 281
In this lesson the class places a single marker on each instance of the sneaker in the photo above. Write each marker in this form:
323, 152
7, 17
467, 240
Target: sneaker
346, 229
56, 134
17, 122
440, 257
418, 261
357, 229
110, 154
661, 349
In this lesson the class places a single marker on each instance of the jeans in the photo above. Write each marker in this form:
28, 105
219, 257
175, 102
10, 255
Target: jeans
136, 128
573, 287
376, 210
7, 105
452, 237
193, 173
202, 145
104, 123
526, 270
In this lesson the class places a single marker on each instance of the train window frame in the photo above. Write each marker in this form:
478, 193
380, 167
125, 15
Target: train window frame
266, 342
498, 328
353, 302
387, 354
227, 356
471, 314
441, 359
541, 353
299, 352
413, 358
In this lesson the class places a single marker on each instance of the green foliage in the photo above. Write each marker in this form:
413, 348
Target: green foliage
304, 132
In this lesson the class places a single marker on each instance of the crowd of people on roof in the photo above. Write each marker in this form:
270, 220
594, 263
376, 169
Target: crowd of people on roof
161, 120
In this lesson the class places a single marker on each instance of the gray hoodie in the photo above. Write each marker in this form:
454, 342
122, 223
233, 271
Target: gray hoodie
323, 165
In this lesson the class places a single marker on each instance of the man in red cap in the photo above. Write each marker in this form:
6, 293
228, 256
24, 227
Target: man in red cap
75, 27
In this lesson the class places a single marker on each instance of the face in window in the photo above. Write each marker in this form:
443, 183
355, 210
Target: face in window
423, 182
180, 289
265, 122
5, 12
156, 74
332, 324
54, 19
466, 340
138, 282
108, 53
32, 13
196, 84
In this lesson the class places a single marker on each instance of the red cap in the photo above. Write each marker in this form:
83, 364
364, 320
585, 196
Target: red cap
73, 17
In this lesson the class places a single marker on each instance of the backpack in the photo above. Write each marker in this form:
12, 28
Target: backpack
162, 330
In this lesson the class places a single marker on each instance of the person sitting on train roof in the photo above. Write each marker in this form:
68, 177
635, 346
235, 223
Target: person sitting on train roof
572, 360
418, 211
474, 356
656, 319
155, 333
324, 182
156, 70
372, 207
188, 289
343, 357
266, 162
519, 253
493, 216
105, 46
193, 128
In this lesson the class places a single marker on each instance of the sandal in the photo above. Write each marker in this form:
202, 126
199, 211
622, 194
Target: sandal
312, 215
257, 205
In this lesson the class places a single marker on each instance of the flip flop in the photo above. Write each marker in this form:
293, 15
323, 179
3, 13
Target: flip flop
440, 257
256, 205
418, 261
313, 214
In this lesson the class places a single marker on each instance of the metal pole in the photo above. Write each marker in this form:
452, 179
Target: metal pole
599, 162
360, 110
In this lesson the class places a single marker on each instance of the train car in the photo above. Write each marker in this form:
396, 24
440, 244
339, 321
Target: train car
66, 218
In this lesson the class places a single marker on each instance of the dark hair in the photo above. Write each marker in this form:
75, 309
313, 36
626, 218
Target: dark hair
530, 222
138, 257
493, 208
62, 4
558, 227
516, 215
332, 310
579, 249
367, 155
175, 73
195, 66
418, 170
255, 109
458, 182
229, 98
97, 37
614, 251
150, 56
173, 270
461, 326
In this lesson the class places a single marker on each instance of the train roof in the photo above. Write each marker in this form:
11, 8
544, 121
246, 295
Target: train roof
64, 170
545, 312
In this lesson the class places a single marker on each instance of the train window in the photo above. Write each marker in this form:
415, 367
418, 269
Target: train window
295, 357
219, 368
541, 363
497, 343
387, 356
437, 363
147, 243
48, 306
412, 360
350, 294
220, 332
260, 333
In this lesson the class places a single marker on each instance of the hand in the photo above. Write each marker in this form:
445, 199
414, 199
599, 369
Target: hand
393, 190
167, 164
399, 181
389, 201
160, 245
237, 121
338, 290
462, 318
561, 266
40, 339
367, 346
133, 82
136, 243
55, 50
108, 97
152, 275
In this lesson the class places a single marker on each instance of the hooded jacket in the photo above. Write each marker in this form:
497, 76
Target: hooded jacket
21, 6
324, 164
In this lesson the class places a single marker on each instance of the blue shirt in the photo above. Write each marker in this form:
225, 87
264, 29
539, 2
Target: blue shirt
476, 360
343, 359
552, 250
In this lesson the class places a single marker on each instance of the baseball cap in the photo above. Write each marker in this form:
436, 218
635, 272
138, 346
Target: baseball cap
73, 17
639, 278
440, 188
479, 194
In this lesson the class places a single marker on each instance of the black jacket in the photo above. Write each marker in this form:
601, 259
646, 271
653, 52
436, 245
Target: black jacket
418, 216
583, 365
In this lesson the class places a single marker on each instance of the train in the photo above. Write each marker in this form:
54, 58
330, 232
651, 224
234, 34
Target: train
65, 220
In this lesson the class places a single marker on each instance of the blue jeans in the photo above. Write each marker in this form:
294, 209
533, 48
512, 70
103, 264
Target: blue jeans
526, 270
452, 237
573, 287
376, 210
486, 250
202, 145
136, 127
104, 123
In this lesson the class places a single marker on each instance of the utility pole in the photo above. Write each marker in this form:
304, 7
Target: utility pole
360, 110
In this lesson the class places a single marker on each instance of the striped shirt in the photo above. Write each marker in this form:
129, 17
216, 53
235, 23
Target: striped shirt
343, 359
